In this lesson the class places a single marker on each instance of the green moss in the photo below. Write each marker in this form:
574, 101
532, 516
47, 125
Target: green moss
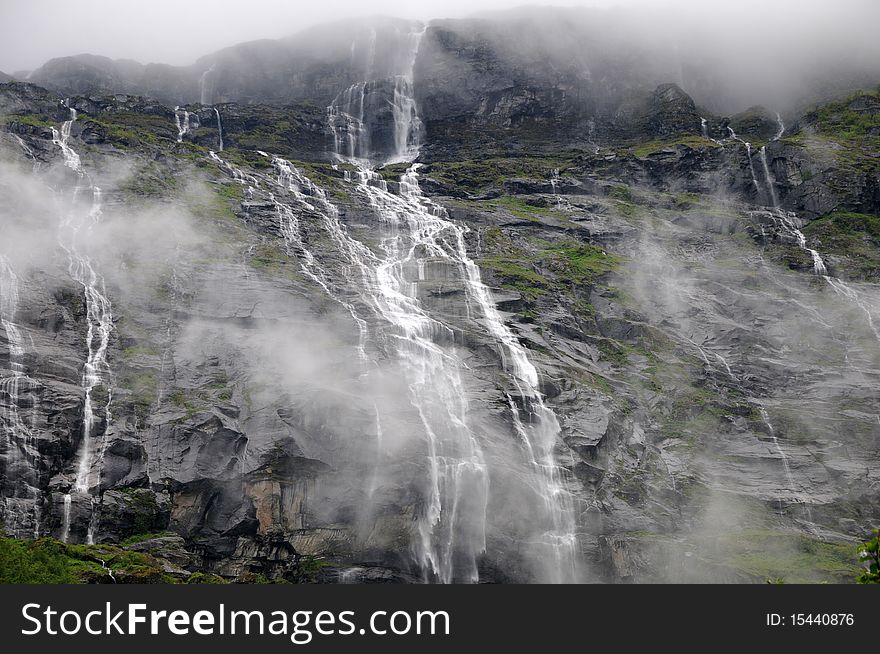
136, 351
267, 256
523, 208
32, 120
143, 386
843, 120
794, 558
48, 561
231, 191
580, 263
185, 400
149, 181
475, 175
130, 129
852, 127
517, 277
688, 140
41, 561
855, 237
142, 503
308, 567
202, 578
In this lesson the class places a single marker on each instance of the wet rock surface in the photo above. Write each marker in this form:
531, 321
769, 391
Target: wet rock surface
714, 391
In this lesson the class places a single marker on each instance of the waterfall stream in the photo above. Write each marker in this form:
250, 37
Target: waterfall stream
417, 236
75, 236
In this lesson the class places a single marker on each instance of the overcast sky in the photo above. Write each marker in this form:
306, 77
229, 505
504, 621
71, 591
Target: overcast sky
180, 31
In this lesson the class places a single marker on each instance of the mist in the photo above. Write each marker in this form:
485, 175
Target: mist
727, 55
525, 294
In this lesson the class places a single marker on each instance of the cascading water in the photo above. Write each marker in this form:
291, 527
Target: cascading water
16, 390
781, 125
771, 183
75, 233
451, 527
786, 222
219, 128
206, 86
350, 122
704, 127
181, 120
749, 154
844, 290
784, 459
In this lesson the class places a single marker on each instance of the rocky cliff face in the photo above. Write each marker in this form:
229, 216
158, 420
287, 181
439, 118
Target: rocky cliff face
600, 333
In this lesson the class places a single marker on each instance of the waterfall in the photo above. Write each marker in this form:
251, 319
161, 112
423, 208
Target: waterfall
346, 115
771, 183
219, 127
704, 127
749, 154
14, 388
12, 385
785, 464
853, 296
786, 222
540, 431
350, 123
417, 232
781, 125
206, 88
407, 124
98, 315
182, 123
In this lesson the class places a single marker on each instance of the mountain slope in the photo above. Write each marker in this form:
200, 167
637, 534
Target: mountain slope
643, 351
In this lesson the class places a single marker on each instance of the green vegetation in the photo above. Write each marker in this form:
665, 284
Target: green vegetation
687, 140
202, 578
269, 257
476, 175
143, 386
48, 561
186, 400
854, 118
517, 277
568, 266
579, 263
791, 557
231, 191
854, 125
767, 554
310, 566
869, 554
130, 129
32, 120
149, 181
853, 236
523, 208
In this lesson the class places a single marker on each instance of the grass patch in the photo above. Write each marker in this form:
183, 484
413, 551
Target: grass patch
793, 558
855, 237
32, 120
49, 561
477, 175
517, 277
691, 141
